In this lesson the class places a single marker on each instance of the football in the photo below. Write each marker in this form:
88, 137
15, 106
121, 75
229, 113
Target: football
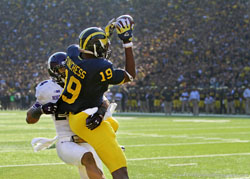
125, 17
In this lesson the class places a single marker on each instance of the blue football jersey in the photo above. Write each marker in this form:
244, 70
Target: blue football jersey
86, 81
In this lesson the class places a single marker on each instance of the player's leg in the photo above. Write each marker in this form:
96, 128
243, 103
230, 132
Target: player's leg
121, 173
92, 170
82, 172
92, 162
74, 154
103, 140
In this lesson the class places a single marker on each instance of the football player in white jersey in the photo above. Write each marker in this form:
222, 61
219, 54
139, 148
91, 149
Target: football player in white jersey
70, 148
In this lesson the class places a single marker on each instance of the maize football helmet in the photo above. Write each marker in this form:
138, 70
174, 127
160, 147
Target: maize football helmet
56, 67
93, 40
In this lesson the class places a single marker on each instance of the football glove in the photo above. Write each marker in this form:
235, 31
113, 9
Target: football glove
124, 29
93, 121
110, 27
49, 108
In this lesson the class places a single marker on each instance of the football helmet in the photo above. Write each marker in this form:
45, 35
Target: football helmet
56, 67
93, 40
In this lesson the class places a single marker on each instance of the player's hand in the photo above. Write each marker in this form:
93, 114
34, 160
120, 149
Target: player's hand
110, 27
93, 121
124, 29
49, 108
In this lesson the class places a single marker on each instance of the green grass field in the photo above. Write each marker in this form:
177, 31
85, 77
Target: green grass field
156, 148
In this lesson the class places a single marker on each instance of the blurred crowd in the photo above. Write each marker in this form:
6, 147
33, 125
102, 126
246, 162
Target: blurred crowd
178, 45
193, 100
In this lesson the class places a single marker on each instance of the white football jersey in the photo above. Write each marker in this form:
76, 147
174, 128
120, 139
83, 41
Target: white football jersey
49, 91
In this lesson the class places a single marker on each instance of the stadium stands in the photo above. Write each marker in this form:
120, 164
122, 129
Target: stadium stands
178, 44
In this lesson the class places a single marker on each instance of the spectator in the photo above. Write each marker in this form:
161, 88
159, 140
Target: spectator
182, 43
246, 95
167, 98
194, 98
184, 101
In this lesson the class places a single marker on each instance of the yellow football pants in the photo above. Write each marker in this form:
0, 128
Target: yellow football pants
102, 139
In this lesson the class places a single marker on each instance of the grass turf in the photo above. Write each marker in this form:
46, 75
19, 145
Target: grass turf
156, 148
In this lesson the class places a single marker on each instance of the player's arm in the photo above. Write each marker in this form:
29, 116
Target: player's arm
130, 65
34, 113
105, 102
124, 29
95, 120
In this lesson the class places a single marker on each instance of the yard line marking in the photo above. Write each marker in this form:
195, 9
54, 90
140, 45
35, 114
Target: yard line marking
191, 156
125, 118
135, 135
142, 134
28, 165
182, 164
188, 129
139, 159
5, 114
194, 143
148, 145
201, 120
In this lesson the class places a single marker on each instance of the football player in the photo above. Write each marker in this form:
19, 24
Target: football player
88, 76
70, 148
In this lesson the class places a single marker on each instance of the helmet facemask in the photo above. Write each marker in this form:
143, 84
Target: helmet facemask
57, 73
56, 67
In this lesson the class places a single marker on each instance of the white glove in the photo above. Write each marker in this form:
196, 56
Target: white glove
110, 110
41, 143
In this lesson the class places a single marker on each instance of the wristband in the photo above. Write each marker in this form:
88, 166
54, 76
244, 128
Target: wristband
127, 45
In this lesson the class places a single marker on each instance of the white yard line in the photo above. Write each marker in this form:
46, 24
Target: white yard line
30, 165
191, 156
201, 120
182, 164
139, 159
189, 129
226, 141
194, 143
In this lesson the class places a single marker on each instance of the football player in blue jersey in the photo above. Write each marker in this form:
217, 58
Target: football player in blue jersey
70, 148
88, 76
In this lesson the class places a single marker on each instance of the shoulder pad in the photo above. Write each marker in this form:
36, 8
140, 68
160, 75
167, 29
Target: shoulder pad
48, 91
106, 63
73, 51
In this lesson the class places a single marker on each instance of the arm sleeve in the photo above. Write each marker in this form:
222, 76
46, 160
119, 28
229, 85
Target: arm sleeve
118, 77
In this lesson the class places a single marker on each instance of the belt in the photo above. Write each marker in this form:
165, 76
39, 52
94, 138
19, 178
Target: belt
73, 138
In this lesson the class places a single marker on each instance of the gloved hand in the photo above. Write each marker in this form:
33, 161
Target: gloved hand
49, 108
93, 121
124, 28
110, 27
